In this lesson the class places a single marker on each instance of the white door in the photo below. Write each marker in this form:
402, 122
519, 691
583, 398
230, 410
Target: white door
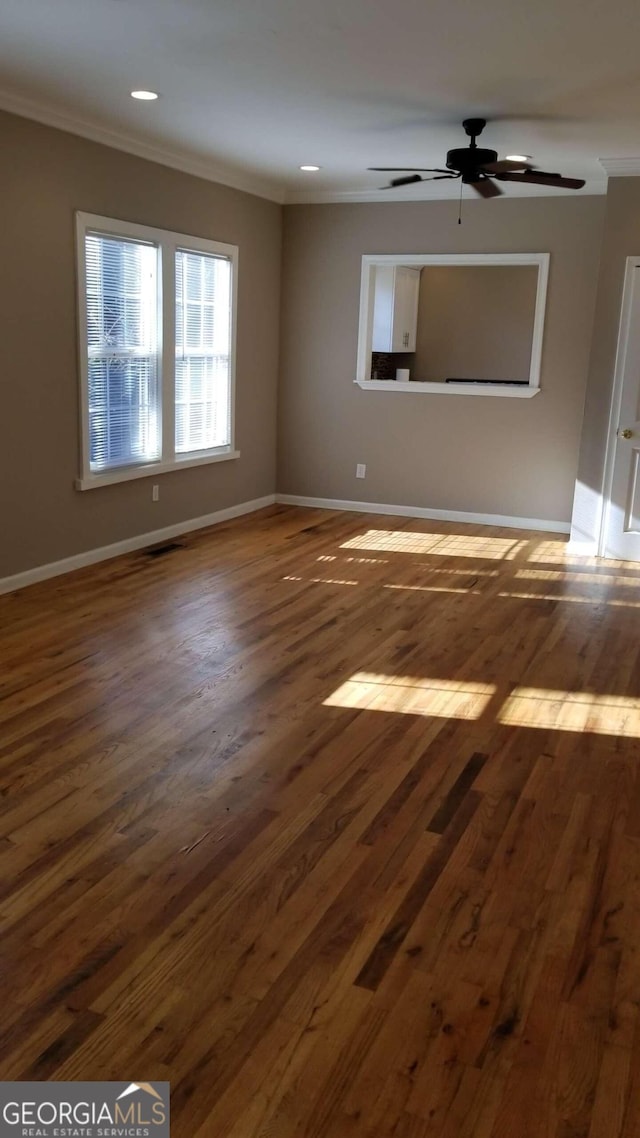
622, 516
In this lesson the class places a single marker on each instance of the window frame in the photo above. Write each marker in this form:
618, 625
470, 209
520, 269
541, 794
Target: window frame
168, 243
369, 264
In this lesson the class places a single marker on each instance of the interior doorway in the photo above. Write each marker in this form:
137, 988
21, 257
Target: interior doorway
620, 534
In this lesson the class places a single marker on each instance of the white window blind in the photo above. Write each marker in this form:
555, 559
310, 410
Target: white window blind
203, 346
122, 342
157, 360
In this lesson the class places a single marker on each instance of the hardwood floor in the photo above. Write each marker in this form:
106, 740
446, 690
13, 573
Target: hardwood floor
333, 821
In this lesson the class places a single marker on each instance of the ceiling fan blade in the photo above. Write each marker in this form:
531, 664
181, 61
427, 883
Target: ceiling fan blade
542, 178
406, 181
486, 188
505, 166
417, 169
411, 178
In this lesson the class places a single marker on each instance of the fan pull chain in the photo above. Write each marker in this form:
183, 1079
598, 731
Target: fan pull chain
460, 205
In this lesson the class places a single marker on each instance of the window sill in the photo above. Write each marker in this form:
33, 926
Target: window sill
427, 388
128, 473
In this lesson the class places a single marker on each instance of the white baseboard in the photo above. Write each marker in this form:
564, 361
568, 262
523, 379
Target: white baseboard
154, 537
544, 524
130, 544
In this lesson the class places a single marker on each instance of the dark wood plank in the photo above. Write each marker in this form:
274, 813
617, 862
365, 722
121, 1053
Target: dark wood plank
454, 798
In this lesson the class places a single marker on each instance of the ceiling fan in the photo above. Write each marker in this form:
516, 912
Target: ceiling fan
480, 168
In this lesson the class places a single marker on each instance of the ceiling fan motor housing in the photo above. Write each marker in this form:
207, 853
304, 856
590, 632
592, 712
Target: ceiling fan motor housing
467, 159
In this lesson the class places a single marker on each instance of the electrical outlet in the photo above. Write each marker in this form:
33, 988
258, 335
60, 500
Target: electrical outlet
361, 470
155, 492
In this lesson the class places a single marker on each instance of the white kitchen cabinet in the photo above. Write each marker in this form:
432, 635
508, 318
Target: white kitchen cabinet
395, 312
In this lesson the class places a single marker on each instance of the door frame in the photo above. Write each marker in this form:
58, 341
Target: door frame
631, 282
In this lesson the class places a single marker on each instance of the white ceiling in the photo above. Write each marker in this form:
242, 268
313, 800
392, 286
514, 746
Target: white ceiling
250, 89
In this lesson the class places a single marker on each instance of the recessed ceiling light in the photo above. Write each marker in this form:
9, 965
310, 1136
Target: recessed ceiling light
310, 168
518, 157
147, 96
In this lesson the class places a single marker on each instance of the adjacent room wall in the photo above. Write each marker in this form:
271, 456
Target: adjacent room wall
475, 321
621, 239
46, 176
515, 457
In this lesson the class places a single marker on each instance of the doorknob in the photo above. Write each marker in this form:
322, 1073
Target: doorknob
625, 433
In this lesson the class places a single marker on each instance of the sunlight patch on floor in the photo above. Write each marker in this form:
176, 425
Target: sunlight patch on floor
487, 548
554, 552
441, 544
578, 577
426, 588
320, 580
392, 541
538, 708
412, 695
354, 560
563, 597
572, 711
367, 560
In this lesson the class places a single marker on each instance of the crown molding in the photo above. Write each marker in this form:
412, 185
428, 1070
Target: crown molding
263, 188
621, 167
427, 191
424, 192
117, 140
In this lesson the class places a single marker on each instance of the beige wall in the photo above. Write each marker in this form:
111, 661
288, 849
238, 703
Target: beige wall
515, 457
621, 239
46, 176
475, 322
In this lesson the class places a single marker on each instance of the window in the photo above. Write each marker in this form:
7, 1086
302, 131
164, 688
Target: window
157, 322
